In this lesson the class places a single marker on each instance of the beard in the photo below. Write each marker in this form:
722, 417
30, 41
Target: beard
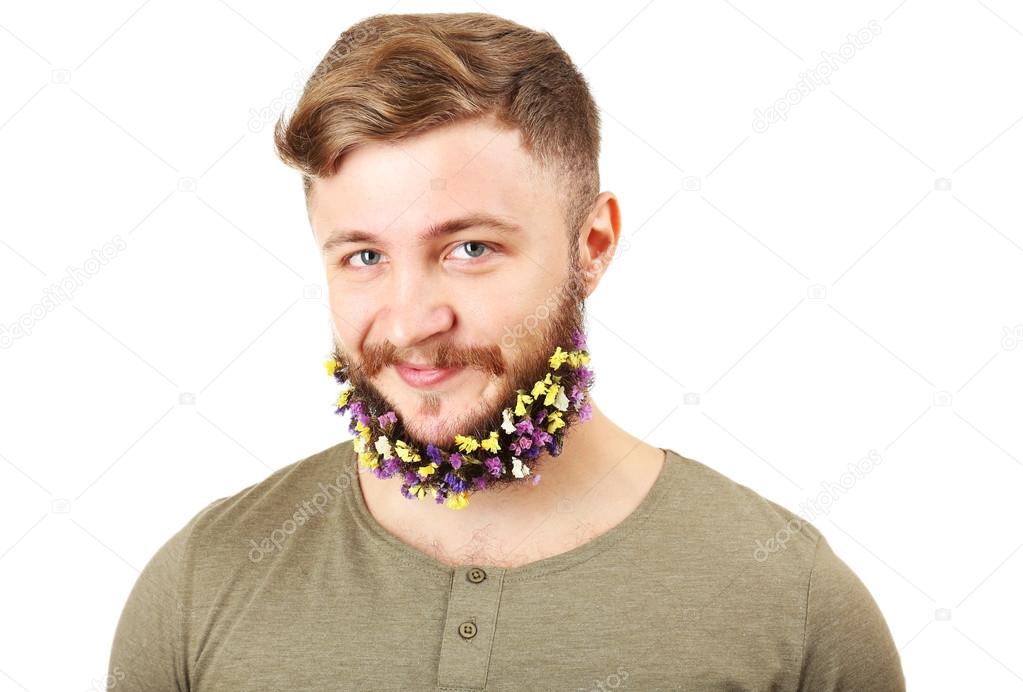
412, 448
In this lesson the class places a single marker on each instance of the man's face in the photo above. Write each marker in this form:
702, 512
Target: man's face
487, 301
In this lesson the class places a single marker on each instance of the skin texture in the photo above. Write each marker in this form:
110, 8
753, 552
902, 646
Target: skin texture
465, 298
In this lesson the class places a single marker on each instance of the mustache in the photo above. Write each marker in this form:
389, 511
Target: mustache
488, 359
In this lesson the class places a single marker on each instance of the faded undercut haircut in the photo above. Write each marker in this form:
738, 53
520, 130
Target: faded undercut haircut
391, 76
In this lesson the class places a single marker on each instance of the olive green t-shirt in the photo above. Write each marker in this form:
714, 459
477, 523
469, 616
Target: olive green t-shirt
291, 584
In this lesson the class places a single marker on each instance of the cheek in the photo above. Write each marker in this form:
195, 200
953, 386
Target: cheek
350, 319
525, 306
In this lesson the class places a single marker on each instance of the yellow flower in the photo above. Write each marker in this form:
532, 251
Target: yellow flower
541, 386
490, 444
577, 358
427, 470
458, 500
364, 434
368, 459
520, 404
406, 453
551, 393
343, 397
331, 366
555, 421
558, 358
417, 490
466, 443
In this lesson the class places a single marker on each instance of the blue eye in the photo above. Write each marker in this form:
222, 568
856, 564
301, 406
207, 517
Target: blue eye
479, 245
360, 253
474, 250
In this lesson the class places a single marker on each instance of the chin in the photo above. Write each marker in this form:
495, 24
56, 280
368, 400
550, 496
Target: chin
430, 434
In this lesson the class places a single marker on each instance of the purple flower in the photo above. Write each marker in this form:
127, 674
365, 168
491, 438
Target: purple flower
494, 465
456, 460
457, 484
576, 396
585, 375
586, 412
433, 453
541, 437
524, 426
578, 339
387, 419
388, 468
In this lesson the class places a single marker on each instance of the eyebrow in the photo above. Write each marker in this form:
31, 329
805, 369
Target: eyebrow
437, 230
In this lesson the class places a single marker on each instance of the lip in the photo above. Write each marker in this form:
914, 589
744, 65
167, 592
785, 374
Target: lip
419, 377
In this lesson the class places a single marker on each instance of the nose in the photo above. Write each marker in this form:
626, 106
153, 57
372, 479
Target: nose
416, 310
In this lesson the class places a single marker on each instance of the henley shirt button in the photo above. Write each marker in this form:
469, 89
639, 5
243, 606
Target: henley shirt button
476, 575
467, 630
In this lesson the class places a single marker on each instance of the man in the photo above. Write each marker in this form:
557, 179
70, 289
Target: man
487, 527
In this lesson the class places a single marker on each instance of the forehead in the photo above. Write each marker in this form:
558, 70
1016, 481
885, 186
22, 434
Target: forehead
397, 189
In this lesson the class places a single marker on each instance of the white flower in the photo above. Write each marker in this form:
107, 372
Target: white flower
508, 426
359, 444
384, 447
519, 470
560, 400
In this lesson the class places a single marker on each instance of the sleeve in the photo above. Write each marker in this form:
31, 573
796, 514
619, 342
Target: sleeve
149, 651
846, 642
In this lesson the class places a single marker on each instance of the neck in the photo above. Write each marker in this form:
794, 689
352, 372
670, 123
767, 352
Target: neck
602, 471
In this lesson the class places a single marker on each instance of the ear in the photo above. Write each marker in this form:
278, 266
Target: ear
598, 240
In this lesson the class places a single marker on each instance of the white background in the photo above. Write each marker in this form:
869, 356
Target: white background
814, 288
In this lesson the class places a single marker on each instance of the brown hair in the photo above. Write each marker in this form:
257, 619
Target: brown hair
395, 75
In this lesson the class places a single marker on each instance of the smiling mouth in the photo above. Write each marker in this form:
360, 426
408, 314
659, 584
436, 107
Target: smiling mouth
425, 377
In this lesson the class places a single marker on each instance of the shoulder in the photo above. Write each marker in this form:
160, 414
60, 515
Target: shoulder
322, 476
738, 519
767, 550
846, 642
314, 484
267, 524
181, 582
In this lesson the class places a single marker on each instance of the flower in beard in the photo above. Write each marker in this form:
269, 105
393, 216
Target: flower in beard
534, 423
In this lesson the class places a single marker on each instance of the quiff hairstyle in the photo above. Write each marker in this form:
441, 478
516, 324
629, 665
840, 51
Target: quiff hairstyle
391, 76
